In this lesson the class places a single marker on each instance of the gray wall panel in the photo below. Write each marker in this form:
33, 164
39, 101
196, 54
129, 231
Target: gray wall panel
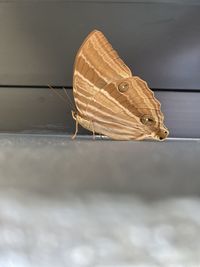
40, 110
181, 2
160, 42
30, 110
182, 113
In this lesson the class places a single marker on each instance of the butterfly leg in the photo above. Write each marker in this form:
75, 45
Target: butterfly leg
76, 119
76, 131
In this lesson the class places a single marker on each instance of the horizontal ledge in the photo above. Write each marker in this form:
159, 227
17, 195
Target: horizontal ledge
89, 137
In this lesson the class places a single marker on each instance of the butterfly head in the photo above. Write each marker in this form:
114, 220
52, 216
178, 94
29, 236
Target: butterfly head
145, 108
162, 134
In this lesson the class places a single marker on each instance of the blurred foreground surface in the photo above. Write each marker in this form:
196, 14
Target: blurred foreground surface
98, 203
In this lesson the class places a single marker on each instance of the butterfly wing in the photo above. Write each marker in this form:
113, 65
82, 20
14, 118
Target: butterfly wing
98, 73
119, 115
96, 65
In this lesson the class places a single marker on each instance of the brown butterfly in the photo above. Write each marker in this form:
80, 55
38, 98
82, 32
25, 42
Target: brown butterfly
109, 99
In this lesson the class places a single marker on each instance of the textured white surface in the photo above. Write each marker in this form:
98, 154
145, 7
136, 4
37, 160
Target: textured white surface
98, 230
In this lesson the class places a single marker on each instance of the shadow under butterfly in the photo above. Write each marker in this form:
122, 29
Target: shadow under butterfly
109, 99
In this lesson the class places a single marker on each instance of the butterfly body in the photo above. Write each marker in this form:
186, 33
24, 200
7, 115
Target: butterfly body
109, 99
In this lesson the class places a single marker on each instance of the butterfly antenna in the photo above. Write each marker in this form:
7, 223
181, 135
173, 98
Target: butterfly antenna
59, 95
69, 99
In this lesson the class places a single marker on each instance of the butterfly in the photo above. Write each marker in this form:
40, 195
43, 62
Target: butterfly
109, 99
